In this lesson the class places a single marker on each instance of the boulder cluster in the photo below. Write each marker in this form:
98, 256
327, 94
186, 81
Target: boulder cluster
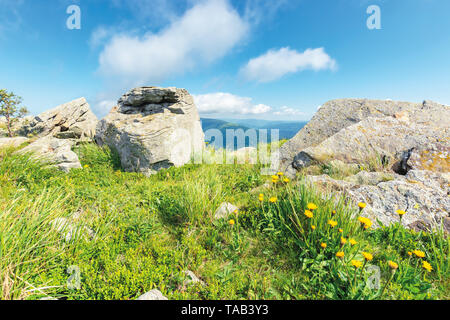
151, 128
401, 150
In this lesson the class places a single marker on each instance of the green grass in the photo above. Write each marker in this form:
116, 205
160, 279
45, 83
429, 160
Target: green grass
148, 230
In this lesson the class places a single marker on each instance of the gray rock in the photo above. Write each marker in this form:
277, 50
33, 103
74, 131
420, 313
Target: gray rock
70, 120
370, 178
70, 231
152, 295
56, 151
337, 115
374, 138
152, 129
191, 278
422, 194
12, 142
225, 210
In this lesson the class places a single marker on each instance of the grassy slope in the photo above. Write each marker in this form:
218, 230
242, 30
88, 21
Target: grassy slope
148, 230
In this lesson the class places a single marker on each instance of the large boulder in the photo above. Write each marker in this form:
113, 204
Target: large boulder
72, 120
12, 142
375, 139
56, 151
422, 194
153, 128
337, 115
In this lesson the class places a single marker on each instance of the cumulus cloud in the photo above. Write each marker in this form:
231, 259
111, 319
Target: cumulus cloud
205, 33
226, 103
287, 111
274, 64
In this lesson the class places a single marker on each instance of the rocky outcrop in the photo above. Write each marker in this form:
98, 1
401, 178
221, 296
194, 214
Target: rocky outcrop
12, 142
72, 120
338, 115
56, 151
153, 128
152, 295
382, 138
424, 195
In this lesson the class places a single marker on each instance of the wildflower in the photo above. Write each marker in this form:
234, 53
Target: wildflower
333, 212
280, 174
409, 253
352, 241
400, 212
308, 213
311, 206
273, 199
343, 241
392, 265
419, 253
356, 263
341, 230
86, 166
427, 266
261, 197
332, 223
368, 256
323, 245
362, 205
313, 227
365, 222
231, 222
286, 180
275, 177
340, 254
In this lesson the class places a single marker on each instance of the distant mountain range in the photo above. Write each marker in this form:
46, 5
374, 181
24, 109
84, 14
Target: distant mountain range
287, 129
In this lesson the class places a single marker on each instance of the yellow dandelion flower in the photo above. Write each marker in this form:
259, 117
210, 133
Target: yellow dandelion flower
409, 253
286, 180
261, 197
419, 253
275, 177
343, 241
400, 212
341, 230
313, 227
323, 245
362, 205
280, 174
368, 256
311, 206
333, 212
231, 222
273, 199
352, 241
309, 214
356, 263
427, 266
86, 166
340, 254
332, 223
393, 265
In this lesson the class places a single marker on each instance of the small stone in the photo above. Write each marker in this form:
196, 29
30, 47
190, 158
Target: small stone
225, 210
152, 295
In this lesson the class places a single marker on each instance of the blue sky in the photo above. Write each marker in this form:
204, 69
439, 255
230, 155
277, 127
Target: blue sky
239, 58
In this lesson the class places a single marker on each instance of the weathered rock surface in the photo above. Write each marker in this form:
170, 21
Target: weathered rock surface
337, 115
225, 210
152, 295
72, 120
69, 231
57, 151
153, 128
424, 195
12, 142
381, 137
191, 278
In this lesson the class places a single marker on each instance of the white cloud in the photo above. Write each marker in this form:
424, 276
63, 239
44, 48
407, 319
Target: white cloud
226, 103
287, 111
274, 64
205, 33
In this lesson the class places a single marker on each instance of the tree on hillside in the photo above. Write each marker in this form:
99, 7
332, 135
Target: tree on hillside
9, 108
